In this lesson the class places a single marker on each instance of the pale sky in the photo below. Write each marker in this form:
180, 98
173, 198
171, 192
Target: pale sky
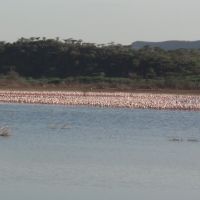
101, 21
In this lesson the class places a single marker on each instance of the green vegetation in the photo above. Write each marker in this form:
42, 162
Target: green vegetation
56, 62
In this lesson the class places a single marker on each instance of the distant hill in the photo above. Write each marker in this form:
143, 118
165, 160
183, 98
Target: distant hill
168, 45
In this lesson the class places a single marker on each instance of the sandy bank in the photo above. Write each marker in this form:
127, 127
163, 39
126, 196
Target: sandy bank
104, 99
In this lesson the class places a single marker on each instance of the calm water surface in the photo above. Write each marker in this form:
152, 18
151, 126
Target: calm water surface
59, 152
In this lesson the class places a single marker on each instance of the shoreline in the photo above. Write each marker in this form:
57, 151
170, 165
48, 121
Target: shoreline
104, 99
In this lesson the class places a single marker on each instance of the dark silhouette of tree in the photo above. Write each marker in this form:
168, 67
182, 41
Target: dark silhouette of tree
42, 57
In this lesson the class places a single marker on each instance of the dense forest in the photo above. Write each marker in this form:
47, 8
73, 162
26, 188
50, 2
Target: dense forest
62, 61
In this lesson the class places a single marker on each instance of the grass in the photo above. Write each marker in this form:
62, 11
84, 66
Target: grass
187, 85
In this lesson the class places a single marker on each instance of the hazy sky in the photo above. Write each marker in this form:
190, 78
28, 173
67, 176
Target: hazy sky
101, 21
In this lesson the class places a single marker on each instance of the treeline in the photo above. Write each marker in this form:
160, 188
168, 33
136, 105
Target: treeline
38, 58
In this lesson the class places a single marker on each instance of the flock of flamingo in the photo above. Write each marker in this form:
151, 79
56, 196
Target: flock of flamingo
104, 99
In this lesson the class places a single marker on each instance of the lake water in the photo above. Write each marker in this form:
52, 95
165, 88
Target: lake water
81, 153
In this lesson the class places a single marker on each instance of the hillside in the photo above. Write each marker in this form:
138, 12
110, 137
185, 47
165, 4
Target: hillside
168, 45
